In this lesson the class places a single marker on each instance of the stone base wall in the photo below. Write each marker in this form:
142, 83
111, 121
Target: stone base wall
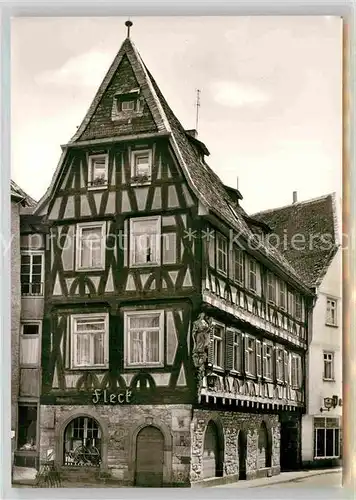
120, 426
229, 424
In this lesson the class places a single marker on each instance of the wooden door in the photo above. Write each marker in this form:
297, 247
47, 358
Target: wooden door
149, 457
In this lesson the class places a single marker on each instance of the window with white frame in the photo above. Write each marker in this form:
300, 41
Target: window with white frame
271, 287
90, 246
282, 295
296, 371
128, 105
326, 437
279, 364
144, 338
141, 165
98, 170
298, 306
250, 355
89, 340
32, 264
218, 336
328, 373
145, 241
252, 280
29, 343
258, 358
267, 360
239, 267
331, 312
236, 364
221, 253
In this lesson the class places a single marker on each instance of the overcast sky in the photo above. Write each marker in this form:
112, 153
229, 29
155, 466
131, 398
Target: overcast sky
270, 94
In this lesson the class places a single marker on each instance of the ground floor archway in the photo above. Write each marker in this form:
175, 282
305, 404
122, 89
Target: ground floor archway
213, 452
242, 453
149, 457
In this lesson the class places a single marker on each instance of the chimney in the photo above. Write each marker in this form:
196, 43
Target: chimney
237, 183
295, 197
192, 132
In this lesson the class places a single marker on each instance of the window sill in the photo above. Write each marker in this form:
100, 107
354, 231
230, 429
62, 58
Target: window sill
88, 269
32, 295
327, 458
85, 368
328, 379
101, 187
144, 183
149, 264
331, 325
143, 365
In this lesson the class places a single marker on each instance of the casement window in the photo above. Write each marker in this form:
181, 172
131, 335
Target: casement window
145, 241
282, 294
98, 171
221, 254
296, 371
250, 355
141, 165
279, 364
89, 340
258, 358
30, 343
326, 437
128, 105
298, 306
27, 427
237, 352
239, 266
331, 312
252, 275
328, 373
218, 344
144, 338
286, 367
267, 360
32, 271
90, 246
271, 287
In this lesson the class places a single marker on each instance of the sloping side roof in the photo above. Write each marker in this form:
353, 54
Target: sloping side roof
306, 234
20, 195
207, 186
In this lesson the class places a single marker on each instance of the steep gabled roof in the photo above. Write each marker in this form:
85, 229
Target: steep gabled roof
206, 185
313, 222
19, 194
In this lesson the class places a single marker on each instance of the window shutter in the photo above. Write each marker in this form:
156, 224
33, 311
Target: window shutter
258, 358
229, 349
286, 367
211, 347
299, 366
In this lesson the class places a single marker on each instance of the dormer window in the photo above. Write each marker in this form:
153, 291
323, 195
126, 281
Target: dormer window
98, 171
141, 166
127, 105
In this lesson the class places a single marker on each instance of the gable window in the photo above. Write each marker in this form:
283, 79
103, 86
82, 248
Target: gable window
31, 273
326, 437
252, 279
221, 254
128, 105
328, 366
145, 241
239, 268
218, 334
250, 355
279, 364
331, 312
282, 295
144, 338
267, 360
236, 351
141, 166
296, 371
90, 246
98, 171
89, 340
271, 287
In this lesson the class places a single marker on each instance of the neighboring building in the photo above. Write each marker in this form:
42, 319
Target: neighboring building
319, 263
171, 352
26, 319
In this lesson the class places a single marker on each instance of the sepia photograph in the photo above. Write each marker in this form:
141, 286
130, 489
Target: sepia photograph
176, 252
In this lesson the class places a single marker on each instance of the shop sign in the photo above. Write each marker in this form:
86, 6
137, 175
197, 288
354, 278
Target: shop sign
107, 397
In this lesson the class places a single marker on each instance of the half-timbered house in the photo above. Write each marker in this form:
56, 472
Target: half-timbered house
174, 334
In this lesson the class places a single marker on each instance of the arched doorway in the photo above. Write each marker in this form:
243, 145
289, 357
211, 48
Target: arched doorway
213, 452
82, 443
149, 457
242, 452
264, 448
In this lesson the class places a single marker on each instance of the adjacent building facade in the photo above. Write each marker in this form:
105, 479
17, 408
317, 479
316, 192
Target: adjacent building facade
319, 263
173, 334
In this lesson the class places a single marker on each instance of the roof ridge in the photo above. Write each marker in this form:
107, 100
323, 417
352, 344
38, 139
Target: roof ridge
304, 202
